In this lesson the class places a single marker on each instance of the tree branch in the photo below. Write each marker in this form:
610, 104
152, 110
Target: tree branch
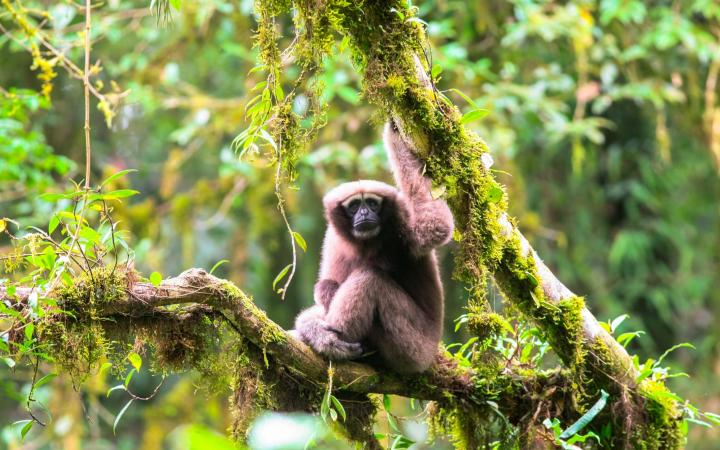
209, 295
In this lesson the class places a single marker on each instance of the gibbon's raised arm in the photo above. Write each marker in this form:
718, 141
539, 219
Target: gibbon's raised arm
429, 222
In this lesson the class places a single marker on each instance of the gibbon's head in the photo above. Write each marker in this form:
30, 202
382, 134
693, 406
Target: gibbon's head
359, 210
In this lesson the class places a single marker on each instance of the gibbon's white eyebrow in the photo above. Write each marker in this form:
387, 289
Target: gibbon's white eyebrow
361, 196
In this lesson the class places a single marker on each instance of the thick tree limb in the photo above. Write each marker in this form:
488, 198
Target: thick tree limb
210, 295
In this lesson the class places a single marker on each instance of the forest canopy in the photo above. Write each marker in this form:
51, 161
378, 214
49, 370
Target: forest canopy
162, 166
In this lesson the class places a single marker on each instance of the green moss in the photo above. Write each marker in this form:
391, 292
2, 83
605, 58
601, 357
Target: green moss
662, 425
270, 332
77, 339
100, 287
487, 325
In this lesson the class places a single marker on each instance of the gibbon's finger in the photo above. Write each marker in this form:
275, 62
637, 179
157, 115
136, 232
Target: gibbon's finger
340, 350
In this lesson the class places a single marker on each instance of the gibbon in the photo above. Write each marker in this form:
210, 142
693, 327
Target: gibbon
379, 287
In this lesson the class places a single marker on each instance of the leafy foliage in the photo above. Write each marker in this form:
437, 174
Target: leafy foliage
610, 144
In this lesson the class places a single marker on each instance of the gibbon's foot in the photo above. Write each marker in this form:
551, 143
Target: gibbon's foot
336, 349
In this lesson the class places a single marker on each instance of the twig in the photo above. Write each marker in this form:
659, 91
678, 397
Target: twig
281, 206
86, 83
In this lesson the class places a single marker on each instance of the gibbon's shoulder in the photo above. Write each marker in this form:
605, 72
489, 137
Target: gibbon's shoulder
338, 194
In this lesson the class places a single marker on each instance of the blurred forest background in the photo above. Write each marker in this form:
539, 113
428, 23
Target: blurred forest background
604, 119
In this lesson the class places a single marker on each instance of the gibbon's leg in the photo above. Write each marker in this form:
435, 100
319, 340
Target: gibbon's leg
325, 291
406, 337
311, 328
352, 309
337, 333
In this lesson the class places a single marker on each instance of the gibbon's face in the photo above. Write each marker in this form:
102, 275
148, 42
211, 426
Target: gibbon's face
363, 210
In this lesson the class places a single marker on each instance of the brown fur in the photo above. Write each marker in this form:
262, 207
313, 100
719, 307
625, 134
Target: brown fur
382, 293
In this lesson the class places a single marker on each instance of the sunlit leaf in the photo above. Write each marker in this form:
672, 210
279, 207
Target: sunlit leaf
128, 377
116, 175
281, 275
338, 407
135, 360
121, 193
672, 349
465, 97
617, 321
300, 240
155, 278
119, 387
44, 380
218, 264
495, 194
26, 426
475, 114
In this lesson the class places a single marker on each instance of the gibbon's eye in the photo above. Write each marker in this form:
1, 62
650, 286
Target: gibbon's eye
353, 206
372, 204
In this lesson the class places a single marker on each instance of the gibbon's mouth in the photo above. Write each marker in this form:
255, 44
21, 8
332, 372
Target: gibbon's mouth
366, 229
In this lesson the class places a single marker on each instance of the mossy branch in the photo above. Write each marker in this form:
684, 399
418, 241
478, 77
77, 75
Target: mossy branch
202, 294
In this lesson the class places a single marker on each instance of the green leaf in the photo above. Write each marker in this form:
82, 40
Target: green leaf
531, 278
465, 97
90, 235
218, 264
587, 417
698, 422
436, 70
54, 222
52, 197
495, 194
129, 377
27, 425
393, 423
672, 349
120, 414
120, 193
135, 360
104, 367
617, 321
176, 4
386, 402
581, 438
401, 442
116, 175
417, 20
625, 338
712, 417
29, 330
300, 240
325, 406
44, 380
116, 388
338, 407
156, 278
9, 361
281, 275
475, 114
